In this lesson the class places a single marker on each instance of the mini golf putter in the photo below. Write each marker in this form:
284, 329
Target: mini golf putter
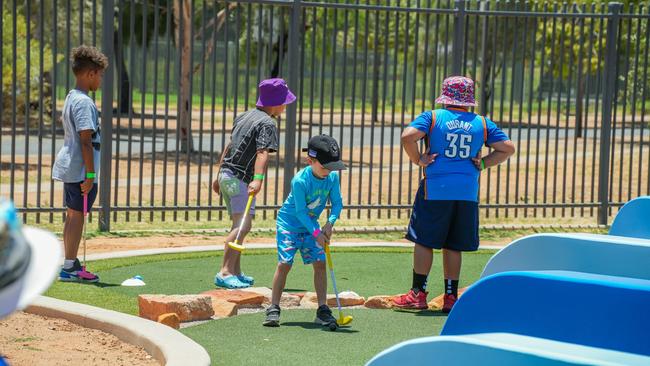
238, 245
83, 273
342, 320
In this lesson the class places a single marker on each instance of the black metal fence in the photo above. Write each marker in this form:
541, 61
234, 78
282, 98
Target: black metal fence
568, 83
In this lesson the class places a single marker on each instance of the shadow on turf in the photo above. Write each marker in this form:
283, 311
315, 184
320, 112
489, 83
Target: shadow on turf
430, 313
103, 284
96, 284
314, 326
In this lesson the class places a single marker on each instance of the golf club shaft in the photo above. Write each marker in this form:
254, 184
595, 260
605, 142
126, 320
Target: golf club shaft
85, 224
243, 219
331, 267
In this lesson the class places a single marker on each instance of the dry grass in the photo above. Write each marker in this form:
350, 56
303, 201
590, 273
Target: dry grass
563, 172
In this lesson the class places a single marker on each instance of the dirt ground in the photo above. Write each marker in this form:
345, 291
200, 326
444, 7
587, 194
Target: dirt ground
105, 245
33, 340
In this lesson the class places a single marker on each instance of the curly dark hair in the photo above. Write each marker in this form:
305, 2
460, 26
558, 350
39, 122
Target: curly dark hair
88, 58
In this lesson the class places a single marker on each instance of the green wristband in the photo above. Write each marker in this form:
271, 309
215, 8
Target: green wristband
258, 177
91, 175
482, 164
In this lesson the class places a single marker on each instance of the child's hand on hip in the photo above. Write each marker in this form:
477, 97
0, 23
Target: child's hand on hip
87, 185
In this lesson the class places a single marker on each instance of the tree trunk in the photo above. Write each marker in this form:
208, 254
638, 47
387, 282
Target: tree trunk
275, 72
218, 21
579, 103
375, 89
124, 104
184, 40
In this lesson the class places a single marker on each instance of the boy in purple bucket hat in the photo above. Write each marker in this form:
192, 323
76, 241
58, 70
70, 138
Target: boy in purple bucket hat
242, 168
445, 212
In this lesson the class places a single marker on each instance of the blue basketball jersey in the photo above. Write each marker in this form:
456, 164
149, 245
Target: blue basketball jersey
456, 136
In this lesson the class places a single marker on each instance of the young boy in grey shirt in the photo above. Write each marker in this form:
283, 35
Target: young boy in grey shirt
242, 169
77, 163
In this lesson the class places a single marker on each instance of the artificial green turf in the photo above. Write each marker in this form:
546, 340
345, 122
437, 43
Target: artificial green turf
367, 271
243, 340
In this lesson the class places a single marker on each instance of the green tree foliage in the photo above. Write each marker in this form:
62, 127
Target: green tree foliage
18, 74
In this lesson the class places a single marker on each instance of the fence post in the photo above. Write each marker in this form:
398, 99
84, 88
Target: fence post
484, 80
611, 50
108, 14
290, 123
459, 38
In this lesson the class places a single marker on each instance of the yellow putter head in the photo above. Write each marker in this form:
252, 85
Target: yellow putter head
236, 246
344, 320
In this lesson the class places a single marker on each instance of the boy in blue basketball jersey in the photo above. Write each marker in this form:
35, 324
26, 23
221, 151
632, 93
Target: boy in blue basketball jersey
445, 212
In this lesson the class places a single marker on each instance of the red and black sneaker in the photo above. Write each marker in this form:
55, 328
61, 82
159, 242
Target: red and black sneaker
448, 302
412, 300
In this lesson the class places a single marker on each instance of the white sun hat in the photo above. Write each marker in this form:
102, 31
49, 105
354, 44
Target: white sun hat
29, 261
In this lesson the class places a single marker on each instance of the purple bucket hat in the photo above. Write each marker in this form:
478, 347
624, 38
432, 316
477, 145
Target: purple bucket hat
457, 90
273, 92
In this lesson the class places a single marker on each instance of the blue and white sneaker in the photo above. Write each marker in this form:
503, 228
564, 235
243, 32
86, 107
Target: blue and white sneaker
77, 274
246, 279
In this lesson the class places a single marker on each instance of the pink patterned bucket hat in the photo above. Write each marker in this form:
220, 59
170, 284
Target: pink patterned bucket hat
457, 90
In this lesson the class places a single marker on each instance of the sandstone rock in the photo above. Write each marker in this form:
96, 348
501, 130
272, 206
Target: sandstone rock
187, 307
437, 302
170, 319
309, 301
347, 298
264, 291
240, 297
299, 294
289, 301
379, 302
223, 308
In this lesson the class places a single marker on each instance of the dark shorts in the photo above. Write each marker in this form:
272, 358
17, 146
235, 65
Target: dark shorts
444, 224
74, 199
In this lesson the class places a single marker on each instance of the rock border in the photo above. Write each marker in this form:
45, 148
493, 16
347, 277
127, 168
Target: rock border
163, 343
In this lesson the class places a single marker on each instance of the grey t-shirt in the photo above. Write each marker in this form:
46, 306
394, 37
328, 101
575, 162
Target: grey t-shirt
253, 130
79, 114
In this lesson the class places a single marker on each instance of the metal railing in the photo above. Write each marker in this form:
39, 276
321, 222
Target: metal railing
568, 83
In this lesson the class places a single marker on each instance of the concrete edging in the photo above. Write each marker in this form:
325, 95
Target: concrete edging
208, 248
163, 343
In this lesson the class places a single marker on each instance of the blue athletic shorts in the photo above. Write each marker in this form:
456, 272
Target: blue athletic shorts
74, 199
444, 224
289, 243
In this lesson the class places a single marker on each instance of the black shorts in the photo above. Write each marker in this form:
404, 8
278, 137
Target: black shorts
74, 199
444, 224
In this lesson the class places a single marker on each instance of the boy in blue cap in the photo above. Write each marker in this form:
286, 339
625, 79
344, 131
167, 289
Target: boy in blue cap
242, 168
297, 225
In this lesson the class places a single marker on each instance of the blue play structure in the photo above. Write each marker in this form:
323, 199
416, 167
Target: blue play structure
500, 349
581, 308
598, 254
633, 219
574, 299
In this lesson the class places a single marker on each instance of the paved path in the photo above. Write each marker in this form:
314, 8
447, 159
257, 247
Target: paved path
270, 245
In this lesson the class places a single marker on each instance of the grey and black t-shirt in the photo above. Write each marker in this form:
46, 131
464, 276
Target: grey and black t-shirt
253, 130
